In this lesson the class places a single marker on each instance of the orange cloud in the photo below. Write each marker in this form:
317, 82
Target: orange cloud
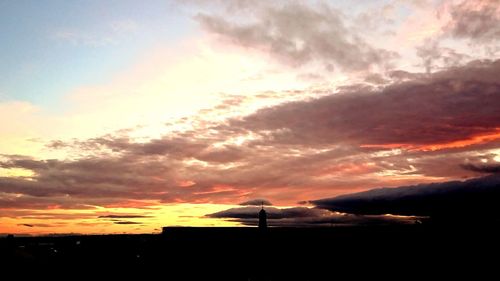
478, 139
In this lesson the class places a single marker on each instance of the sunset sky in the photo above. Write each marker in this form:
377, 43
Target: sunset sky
126, 116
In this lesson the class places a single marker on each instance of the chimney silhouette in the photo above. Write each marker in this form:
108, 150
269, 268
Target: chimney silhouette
262, 218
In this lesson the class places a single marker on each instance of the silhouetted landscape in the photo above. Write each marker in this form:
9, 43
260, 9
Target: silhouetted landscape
273, 254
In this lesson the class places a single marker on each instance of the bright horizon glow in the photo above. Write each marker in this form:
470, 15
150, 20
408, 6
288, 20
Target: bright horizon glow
88, 221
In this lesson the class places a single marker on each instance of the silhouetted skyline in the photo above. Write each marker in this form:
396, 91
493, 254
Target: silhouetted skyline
125, 117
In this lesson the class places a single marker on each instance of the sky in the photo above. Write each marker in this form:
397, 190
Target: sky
126, 116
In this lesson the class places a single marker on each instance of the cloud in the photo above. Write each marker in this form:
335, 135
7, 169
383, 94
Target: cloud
432, 112
82, 178
298, 34
83, 183
133, 178
126, 222
482, 168
11, 200
272, 213
36, 225
431, 54
474, 198
123, 217
256, 202
475, 20
417, 129
303, 216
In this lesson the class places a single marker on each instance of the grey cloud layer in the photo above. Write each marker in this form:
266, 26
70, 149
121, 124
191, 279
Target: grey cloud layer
477, 20
448, 106
298, 34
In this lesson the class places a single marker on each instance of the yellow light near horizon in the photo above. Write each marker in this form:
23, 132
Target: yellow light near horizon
41, 222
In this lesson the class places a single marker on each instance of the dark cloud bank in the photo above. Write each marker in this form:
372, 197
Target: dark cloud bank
305, 217
475, 199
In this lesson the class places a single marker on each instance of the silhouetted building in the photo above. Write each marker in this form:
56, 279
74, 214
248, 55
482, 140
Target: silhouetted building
262, 219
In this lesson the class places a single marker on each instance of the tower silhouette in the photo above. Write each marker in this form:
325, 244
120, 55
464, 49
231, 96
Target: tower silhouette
262, 218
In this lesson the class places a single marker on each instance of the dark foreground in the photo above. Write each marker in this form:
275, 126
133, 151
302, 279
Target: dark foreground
250, 254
